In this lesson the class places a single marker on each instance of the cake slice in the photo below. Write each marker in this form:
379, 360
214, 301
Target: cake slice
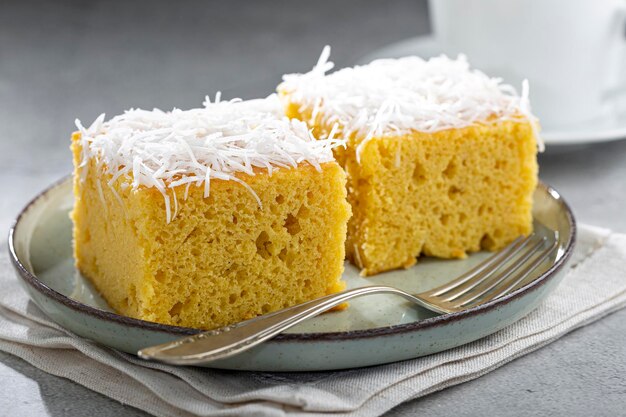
440, 159
206, 217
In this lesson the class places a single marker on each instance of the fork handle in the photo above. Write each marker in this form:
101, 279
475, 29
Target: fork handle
230, 340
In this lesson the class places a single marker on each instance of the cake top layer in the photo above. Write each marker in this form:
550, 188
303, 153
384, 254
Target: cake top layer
184, 147
397, 96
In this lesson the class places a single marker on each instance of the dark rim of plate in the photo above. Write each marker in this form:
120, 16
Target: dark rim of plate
34, 282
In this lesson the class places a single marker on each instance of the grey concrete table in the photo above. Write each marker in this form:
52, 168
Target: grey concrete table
63, 60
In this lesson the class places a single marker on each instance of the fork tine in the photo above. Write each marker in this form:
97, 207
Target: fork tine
511, 269
508, 285
484, 269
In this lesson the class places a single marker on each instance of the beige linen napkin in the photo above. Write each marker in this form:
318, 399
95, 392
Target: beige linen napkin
594, 286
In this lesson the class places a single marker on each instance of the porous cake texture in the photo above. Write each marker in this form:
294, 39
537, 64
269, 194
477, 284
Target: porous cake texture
440, 159
210, 216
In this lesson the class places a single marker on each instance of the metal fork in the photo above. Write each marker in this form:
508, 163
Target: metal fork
493, 278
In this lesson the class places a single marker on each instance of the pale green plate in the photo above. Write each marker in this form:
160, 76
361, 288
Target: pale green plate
374, 330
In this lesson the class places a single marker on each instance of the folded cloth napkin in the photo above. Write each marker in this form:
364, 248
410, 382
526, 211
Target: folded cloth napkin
593, 287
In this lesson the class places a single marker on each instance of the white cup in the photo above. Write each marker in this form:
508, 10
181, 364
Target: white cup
573, 52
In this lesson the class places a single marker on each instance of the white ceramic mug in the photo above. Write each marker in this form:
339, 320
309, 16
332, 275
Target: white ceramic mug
573, 52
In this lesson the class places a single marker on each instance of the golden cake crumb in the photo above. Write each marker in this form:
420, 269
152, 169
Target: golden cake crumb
444, 192
222, 258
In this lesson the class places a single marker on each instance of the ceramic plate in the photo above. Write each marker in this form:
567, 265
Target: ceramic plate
374, 330
609, 127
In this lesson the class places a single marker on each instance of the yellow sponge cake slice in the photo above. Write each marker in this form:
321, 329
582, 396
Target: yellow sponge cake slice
210, 216
440, 159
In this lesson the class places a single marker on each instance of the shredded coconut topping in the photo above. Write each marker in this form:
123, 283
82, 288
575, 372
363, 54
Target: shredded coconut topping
183, 148
396, 96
